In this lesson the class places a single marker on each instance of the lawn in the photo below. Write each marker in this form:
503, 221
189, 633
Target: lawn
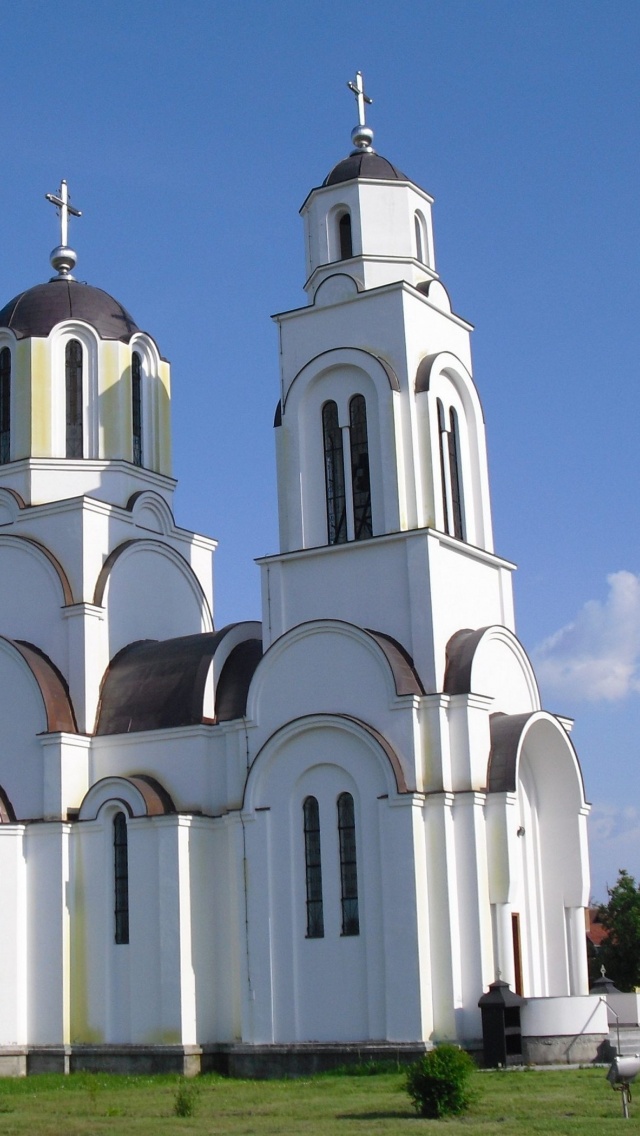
508, 1104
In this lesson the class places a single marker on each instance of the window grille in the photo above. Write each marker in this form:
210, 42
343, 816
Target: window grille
361, 486
136, 406
450, 476
121, 878
334, 475
313, 866
454, 467
348, 865
74, 401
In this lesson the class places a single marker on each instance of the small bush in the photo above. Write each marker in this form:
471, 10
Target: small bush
438, 1082
184, 1101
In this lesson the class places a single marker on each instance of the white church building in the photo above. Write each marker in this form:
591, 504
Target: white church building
262, 845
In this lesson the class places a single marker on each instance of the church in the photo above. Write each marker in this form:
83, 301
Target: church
255, 846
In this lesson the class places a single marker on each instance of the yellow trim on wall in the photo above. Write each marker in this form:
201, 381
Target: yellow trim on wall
164, 419
114, 401
41, 394
21, 414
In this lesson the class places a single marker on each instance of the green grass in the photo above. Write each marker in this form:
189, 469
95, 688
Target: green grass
504, 1104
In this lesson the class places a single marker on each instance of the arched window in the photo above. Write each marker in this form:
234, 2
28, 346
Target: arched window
313, 868
419, 248
136, 406
121, 878
344, 232
451, 480
348, 865
334, 475
361, 486
454, 470
74, 401
5, 406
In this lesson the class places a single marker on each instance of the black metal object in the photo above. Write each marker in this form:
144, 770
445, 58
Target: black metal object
501, 1029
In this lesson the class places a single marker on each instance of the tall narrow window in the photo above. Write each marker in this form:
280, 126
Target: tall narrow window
313, 866
348, 865
419, 248
452, 501
121, 878
454, 467
136, 406
5, 406
344, 231
361, 486
73, 387
442, 440
334, 475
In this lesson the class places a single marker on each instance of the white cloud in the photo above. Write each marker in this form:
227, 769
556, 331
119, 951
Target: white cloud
597, 657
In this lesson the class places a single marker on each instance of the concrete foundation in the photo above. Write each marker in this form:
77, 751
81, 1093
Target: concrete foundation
580, 1049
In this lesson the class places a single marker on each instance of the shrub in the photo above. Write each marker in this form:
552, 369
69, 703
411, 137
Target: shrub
184, 1102
438, 1082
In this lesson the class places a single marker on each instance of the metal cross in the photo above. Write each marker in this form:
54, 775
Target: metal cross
61, 201
361, 98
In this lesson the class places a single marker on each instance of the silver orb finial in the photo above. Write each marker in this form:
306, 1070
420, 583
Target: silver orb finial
63, 258
361, 135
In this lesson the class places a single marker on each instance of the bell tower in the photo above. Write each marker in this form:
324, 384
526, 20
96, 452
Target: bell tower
385, 516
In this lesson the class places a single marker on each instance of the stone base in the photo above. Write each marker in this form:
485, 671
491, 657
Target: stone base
261, 1062
579, 1049
145, 1059
231, 1059
13, 1061
254, 1062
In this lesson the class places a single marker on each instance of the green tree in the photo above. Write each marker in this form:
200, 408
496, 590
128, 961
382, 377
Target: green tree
620, 951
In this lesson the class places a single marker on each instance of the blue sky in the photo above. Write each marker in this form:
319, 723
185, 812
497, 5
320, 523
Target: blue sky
190, 134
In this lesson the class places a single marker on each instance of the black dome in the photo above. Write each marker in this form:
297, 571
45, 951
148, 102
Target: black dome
364, 164
39, 309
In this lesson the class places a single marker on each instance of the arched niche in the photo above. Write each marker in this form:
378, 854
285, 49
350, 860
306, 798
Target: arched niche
310, 670
150, 592
538, 847
33, 701
491, 661
443, 385
34, 589
138, 795
323, 987
336, 376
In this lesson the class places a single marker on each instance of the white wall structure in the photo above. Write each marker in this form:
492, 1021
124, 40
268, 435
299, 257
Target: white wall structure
331, 830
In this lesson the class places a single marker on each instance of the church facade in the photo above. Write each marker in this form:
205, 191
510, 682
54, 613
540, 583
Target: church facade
330, 830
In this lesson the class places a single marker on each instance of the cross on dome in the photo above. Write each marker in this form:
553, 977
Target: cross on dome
62, 257
361, 135
361, 98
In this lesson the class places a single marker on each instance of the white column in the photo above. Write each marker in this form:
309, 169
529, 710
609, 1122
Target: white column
13, 941
503, 942
88, 660
577, 950
66, 772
